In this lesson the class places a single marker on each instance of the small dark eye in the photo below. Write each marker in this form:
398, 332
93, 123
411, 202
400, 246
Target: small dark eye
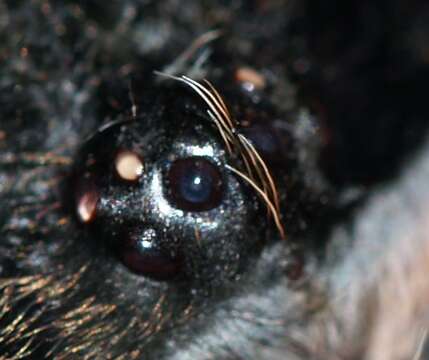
195, 184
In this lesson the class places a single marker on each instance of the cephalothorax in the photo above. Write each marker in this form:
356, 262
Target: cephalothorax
164, 188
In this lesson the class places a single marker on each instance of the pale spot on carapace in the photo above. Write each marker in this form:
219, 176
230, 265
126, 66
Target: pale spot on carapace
250, 79
129, 165
87, 205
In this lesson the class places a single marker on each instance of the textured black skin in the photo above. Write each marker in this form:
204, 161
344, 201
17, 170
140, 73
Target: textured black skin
66, 68
210, 246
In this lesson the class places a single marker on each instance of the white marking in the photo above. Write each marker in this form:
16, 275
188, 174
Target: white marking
87, 206
128, 165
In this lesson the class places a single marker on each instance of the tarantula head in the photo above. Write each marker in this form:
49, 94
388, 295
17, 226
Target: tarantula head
156, 191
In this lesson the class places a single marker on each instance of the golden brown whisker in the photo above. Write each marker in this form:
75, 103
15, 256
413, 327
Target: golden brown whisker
264, 196
247, 164
221, 131
212, 97
224, 125
267, 172
247, 153
217, 95
222, 102
205, 95
214, 105
263, 181
245, 150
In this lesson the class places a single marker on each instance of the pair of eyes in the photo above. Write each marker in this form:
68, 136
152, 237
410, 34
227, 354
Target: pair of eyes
193, 184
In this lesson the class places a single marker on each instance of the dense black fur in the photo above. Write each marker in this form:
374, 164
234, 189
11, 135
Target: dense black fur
350, 81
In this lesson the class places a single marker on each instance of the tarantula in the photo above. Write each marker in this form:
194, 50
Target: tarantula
213, 180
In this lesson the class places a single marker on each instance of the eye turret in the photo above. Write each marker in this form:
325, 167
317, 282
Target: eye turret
161, 200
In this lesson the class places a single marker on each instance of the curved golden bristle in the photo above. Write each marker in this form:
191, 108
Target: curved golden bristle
258, 175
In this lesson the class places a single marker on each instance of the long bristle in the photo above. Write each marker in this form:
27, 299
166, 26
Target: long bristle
262, 163
222, 102
214, 103
264, 196
258, 174
222, 132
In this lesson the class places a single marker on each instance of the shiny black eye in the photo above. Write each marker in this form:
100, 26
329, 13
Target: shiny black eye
139, 250
195, 184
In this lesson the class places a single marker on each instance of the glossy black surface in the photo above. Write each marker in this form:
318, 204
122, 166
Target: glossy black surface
200, 216
138, 250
